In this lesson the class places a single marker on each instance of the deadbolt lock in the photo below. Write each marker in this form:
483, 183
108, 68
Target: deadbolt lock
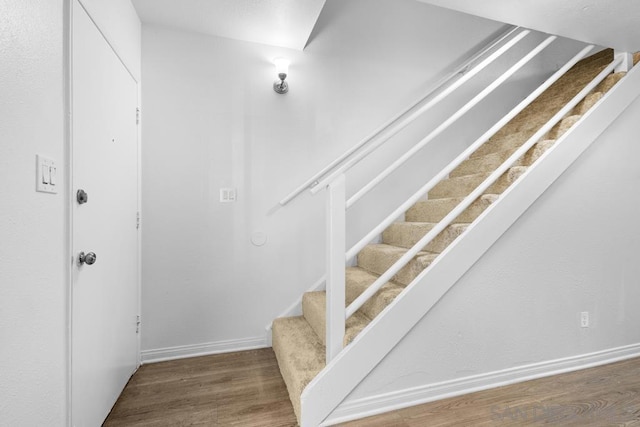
82, 197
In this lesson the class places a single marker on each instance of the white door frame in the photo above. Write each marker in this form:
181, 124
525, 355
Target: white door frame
70, 186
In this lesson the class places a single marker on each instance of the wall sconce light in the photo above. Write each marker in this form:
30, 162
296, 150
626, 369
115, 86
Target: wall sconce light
282, 69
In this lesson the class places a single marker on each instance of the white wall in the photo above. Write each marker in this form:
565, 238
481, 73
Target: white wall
33, 298
33, 230
574, 250
212, 120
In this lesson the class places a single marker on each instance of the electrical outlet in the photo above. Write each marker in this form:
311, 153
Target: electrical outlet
584, 319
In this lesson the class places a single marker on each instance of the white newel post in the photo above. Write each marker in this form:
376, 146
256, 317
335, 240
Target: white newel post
336, 247
627, 61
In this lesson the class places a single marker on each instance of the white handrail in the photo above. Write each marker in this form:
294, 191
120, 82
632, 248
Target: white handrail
465, 154
386, 276
439, 97
445, 125
462, 69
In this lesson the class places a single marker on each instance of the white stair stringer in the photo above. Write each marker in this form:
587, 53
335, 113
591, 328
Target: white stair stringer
341, 376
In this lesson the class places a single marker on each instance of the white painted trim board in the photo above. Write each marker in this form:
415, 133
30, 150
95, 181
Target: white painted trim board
374, 405
205, 349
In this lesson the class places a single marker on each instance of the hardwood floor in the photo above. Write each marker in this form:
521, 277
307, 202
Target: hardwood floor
233, 389
608, 395
245, 389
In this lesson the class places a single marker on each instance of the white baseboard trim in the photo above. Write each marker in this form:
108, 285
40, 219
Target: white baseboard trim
374, 405
185, 351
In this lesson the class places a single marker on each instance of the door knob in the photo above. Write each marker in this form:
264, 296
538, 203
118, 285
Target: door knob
88, 259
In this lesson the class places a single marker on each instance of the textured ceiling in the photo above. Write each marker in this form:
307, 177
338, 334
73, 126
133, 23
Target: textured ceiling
284, 23
609, 23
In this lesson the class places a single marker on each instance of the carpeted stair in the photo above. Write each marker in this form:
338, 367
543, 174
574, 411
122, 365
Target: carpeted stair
299, 342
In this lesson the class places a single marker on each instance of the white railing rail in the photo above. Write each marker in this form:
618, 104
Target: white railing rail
357, 303
353, 251
345, 167
451, 120
461, 70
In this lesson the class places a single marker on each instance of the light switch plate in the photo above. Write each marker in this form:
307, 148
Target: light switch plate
227, 195
45, 169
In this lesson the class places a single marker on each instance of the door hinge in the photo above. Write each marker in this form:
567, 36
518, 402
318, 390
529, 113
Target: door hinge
138, 324
138, 115
137, 220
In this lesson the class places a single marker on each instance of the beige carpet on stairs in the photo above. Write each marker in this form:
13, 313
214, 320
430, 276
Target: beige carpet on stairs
298, 342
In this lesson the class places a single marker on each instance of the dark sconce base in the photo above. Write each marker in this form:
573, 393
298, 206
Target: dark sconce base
280, 86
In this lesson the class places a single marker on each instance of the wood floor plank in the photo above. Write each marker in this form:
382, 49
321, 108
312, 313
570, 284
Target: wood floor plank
608, 395
246, 389
234, 389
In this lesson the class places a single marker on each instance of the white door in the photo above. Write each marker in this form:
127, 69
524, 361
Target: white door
105, 166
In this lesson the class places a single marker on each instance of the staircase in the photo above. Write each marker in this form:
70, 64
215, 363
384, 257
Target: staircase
299, 342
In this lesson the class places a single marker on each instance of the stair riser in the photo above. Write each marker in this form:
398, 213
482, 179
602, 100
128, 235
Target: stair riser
587, 103
436, 210
463, 186
292, 337
562, 127
380, 300
294, 392
358, 281
609, 82
380, 264
314, 311
503, 142
314, 316
492, 161
404, 236
483, 164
